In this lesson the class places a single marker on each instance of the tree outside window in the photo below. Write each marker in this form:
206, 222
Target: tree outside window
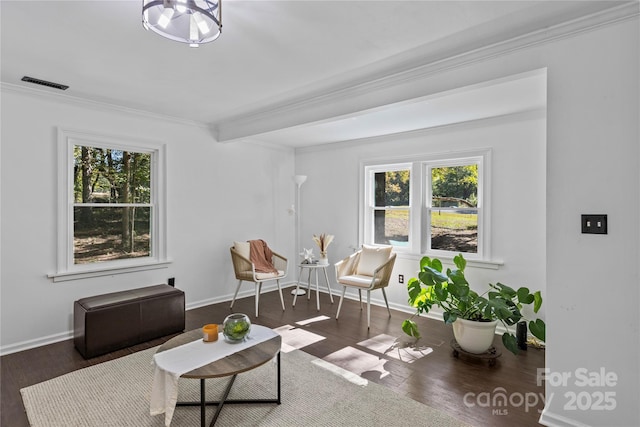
454, 208
391, 207
112, 204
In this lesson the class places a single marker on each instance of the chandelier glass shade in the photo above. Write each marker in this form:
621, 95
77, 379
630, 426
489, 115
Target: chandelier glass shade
187, 21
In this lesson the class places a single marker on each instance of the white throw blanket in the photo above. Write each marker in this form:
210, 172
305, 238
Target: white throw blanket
171, 364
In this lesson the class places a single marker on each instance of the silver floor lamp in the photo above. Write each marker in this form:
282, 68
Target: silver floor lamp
299, 180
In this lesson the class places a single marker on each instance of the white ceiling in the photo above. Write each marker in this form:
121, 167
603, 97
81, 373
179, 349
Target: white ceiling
271, 53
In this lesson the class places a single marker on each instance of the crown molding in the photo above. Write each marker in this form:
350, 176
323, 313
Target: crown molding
88, 103
380, 87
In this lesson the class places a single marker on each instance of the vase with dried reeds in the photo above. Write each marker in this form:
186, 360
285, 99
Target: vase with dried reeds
323, 241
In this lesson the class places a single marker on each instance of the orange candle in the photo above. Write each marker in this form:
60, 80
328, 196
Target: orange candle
210, 333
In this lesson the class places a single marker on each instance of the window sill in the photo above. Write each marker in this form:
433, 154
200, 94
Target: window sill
475, 263
108, 271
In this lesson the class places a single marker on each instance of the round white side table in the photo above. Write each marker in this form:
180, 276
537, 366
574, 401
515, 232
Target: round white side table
312, 268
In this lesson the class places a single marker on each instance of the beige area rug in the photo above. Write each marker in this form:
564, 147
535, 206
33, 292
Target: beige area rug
314, 393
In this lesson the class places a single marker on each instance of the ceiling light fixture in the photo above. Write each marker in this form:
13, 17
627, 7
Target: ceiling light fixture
187, 21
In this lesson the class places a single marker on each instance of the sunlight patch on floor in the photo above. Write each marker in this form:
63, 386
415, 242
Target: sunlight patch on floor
294, 338
392, 347
312, 320
358, 362
349, 376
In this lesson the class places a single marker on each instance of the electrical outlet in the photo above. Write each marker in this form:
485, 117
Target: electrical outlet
400, 278
171, 281
594, 224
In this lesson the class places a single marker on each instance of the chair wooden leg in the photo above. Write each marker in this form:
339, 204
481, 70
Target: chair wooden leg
236, 294
384, 294
368, 308
280, 290
360, 296
344, 289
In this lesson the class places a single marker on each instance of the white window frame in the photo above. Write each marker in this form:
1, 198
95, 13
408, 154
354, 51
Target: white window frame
369, 204
427, 207
66, 269
420, 201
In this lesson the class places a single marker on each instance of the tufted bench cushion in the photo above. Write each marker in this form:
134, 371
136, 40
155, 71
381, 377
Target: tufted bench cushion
108, 322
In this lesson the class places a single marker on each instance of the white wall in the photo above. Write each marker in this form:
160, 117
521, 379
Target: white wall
217, 193
592, 166
331, 195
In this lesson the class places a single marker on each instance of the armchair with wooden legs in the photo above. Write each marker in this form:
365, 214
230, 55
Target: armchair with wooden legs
245, 270
368, 269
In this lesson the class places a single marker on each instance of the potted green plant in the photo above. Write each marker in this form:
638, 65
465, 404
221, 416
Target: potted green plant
451, 292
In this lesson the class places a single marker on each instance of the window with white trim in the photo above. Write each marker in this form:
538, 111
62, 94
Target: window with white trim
112, 205
389, 204
434, 205
452, 207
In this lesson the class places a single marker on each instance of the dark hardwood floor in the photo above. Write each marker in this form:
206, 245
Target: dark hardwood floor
466, 388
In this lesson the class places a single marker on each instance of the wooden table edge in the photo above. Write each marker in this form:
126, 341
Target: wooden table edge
244, 360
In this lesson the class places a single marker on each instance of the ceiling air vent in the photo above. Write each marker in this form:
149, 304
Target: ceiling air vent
45, 83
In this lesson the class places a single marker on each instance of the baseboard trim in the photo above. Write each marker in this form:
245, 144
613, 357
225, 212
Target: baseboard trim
550, 419
37, 342
246, 290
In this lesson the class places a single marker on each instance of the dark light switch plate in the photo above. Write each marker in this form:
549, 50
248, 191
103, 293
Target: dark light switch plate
594, 224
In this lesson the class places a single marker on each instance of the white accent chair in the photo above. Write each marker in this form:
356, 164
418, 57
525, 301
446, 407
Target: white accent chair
368, 269
245, 271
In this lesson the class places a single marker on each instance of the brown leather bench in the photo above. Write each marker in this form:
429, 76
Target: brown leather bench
109, 322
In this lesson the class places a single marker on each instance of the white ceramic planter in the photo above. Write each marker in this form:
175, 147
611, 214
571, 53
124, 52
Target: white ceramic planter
474, 337
323, 259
